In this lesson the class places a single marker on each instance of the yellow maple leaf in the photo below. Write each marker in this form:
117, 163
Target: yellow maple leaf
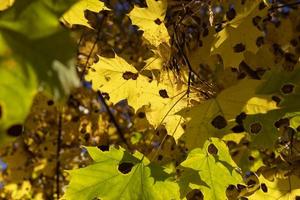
75, 15
165, 111
228, 105
122, 81
279, 189
162, 99
150, 20
239, 35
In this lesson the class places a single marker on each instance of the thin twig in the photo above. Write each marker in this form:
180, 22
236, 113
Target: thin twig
186, 60
113, 119
89, 56
92, 50
59, 131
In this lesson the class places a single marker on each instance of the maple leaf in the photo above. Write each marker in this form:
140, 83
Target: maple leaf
165, 111
262, 59
217, 115
150, 20
215, 167
75, 15
116, 174
122, 81
238, 35
279, 189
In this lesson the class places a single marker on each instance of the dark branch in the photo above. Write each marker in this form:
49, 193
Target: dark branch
113, 119
59, 130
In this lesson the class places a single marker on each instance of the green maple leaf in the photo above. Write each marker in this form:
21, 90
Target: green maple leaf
262, 129
106, 179
215, 167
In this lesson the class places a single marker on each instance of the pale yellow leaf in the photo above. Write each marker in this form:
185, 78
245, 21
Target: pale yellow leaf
150, 20
75, 15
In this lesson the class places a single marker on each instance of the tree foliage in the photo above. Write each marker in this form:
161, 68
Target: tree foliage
165, 99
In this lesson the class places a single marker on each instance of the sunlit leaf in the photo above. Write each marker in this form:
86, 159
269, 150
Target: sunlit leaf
115, 174
151, 21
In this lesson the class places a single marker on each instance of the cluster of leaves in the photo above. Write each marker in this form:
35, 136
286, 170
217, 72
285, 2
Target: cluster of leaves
199, 96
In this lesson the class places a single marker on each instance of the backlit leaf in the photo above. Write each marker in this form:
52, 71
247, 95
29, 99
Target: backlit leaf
151, 21
215, 170
115, 174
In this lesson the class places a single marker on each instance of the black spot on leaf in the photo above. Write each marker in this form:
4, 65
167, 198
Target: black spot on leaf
256, 20
125, 167
129, 75
255, 128
282, 122
231, 187
243, 198
50, 102
292, 58
238, 48
264, 188
103, 147
251, 158
297, 198
260, 41
239, 119
15, 130
219, 122
261, 6
157, 21
230, 14
238, 129
163, 93
277, 50
232, 192
159, 157
195, 194
251, 183
276, 99
287, 88
212, 149
240, 187
141, 115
